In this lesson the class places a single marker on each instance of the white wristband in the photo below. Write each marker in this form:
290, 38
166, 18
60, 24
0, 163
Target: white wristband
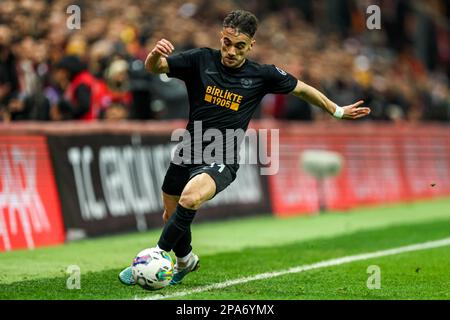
339, 113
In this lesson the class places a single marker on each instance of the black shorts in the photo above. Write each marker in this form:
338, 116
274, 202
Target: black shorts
177, 176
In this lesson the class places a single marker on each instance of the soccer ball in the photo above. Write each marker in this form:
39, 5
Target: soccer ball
152, 269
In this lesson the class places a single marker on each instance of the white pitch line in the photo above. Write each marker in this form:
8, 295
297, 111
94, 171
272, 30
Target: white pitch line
298, 269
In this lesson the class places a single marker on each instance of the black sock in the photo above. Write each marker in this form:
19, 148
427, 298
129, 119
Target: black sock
176, 227
183, 246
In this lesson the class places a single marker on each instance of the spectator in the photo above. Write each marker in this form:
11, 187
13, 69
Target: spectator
9, 80
115, 112
115, 91
140, 85
81, 99
32, 107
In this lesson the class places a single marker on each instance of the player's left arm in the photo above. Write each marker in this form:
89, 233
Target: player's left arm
317, 98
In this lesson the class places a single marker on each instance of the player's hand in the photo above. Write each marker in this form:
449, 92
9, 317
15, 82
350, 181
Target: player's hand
163, 48
354, 111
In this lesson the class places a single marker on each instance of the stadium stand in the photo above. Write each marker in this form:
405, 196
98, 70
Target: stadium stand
402, 69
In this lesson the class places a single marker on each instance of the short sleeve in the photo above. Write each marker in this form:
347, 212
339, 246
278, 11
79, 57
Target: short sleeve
278, 80
183, 64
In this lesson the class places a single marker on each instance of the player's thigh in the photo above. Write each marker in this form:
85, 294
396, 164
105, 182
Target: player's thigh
199, 189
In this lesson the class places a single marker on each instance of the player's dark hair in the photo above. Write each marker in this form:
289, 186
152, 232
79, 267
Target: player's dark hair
243, 21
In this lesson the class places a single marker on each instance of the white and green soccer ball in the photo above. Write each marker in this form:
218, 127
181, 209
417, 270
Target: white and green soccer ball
152, 269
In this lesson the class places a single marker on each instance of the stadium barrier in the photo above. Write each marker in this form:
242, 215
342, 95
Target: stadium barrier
30, 213
65, 181
383, 163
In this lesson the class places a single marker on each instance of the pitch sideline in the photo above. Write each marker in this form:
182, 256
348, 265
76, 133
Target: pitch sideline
323, 264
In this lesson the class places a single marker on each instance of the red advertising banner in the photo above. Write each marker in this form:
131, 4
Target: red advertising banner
381, 164
30, 213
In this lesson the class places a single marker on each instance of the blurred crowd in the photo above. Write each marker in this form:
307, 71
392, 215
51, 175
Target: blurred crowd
53, 71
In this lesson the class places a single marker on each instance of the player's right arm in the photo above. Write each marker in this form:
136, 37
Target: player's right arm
156, 61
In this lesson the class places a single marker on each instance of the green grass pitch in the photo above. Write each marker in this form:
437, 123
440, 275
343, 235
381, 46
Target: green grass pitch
240, 248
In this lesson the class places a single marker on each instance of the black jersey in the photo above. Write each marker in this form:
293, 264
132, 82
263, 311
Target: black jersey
221, 97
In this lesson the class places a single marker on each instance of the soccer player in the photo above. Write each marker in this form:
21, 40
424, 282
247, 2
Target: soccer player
224, 89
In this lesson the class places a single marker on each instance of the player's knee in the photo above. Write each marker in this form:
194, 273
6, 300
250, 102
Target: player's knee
191, 201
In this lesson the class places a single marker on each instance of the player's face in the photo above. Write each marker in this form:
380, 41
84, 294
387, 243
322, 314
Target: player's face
235, 47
